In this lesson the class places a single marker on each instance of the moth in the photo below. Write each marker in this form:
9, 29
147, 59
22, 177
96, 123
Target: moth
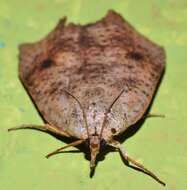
91, 82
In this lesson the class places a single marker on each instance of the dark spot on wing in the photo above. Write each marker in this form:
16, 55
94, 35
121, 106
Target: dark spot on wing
113, 130
53, 90
130, 67
93, 103
46, 64
147, 84
135, 55
145, 93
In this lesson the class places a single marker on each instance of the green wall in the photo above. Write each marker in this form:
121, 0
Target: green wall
161, 144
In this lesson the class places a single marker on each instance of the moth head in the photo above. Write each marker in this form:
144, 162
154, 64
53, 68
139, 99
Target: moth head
95, 144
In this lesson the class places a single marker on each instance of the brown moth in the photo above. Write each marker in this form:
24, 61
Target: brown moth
91, 82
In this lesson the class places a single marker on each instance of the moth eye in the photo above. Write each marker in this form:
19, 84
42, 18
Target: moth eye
102, 144
87, 143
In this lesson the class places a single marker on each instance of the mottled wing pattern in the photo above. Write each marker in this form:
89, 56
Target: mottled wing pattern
45, 69
94, 62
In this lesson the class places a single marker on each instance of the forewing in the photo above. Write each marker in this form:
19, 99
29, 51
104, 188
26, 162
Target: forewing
124, 63
45, 68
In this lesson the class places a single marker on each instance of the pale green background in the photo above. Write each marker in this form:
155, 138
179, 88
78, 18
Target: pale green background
161, 144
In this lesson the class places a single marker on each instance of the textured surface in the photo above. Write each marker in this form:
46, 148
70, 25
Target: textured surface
95, 63
23, 153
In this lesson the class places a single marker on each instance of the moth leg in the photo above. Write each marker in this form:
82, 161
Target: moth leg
44, 128
154, 115
75, 143
125, 155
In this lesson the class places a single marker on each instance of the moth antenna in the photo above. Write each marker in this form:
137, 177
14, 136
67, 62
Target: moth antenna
83, 112
108, 110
